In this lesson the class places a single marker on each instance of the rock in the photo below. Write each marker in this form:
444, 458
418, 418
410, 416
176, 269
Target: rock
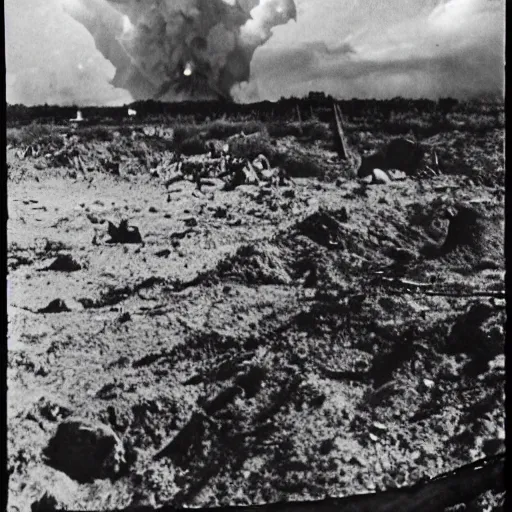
190, 222
124, 317
152, 209
53, 412
55, 306
379, 177
497, 364
326, 446
85, 450
429, 384
221, 212
92, 218
164, 253
416, 455
402, 255
64, 263
379, 426
493, 446
123, 234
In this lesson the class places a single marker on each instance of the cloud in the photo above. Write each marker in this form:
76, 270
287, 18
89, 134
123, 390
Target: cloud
454, 49
52, 59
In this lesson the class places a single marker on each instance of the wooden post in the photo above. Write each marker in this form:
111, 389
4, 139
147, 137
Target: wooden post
341, 135
299, 118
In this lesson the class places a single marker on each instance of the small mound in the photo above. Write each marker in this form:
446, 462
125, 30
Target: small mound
256, 264
325, 228
251, 146
479, 332
472, 235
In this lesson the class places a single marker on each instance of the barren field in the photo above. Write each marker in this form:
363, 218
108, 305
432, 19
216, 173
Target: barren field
323, 335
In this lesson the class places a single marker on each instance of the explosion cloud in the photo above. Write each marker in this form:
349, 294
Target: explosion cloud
180, 49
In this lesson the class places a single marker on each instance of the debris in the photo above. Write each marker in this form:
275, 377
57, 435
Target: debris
64, 263
85, 450
164, 253
123, 234
55, 306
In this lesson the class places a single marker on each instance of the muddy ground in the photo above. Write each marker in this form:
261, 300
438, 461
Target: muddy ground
323, 338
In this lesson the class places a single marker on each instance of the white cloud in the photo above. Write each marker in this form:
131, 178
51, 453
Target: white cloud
455, 48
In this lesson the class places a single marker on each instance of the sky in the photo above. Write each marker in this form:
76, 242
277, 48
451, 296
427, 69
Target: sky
347, 48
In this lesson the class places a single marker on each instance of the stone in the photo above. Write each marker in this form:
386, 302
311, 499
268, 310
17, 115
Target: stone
85, 450
380, 177
55, 306
64, 263
429, 384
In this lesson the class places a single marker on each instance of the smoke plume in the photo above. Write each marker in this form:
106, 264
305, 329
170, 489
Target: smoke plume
180, 49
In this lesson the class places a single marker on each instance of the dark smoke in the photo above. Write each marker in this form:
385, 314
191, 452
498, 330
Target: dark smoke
180, 49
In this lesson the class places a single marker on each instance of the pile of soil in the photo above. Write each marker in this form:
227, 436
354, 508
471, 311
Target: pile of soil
473, 235
260, 263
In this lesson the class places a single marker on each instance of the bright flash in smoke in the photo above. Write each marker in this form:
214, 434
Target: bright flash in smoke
188, 69
279, 9
127, 24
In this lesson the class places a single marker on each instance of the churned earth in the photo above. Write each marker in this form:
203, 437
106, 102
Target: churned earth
262, 344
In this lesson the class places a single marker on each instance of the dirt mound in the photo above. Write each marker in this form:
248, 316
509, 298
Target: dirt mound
479, 156
325, 228
473, 236
260, 263
251, 146
478, 332
469, 229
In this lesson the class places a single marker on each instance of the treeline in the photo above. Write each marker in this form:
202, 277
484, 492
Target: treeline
316, 105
